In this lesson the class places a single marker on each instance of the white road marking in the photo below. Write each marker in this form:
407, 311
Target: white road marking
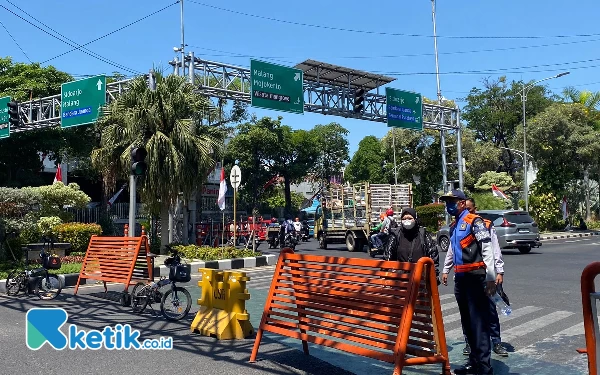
534, 325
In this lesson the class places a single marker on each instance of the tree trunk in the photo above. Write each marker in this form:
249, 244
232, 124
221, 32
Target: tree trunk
288, 195
586, 178
164, 227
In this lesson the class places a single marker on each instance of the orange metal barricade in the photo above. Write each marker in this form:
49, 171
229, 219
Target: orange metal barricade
587, 288
389, 311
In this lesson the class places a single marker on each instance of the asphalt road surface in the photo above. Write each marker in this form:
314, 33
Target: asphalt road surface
541, 334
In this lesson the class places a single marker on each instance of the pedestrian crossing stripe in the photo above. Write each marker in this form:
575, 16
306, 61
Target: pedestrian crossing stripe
533, 325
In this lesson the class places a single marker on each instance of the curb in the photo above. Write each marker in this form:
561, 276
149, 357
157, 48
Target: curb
70, 280
556, 237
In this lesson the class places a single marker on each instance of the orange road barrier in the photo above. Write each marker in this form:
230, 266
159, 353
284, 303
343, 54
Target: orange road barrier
117, 259
389, 311
590, 320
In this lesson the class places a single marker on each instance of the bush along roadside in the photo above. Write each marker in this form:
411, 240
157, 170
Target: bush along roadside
77, 234
207, 253
69, 264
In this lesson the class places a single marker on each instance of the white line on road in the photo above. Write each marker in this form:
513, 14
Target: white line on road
535, 324
517, 313
532, 350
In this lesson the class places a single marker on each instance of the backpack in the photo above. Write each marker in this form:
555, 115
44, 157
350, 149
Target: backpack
390, 250
289, 226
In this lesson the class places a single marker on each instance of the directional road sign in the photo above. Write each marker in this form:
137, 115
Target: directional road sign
404, 109
235, 176
81, 101
276, 87
4, 126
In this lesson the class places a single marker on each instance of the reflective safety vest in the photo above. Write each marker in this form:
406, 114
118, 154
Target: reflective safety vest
467, 253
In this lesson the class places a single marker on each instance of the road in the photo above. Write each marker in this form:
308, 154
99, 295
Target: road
541, 334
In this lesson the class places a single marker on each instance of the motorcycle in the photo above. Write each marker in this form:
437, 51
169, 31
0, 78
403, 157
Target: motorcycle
290, 240
374, 250
304, 232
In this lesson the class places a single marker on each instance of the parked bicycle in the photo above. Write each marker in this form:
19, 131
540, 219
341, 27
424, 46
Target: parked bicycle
36, 281
144, 294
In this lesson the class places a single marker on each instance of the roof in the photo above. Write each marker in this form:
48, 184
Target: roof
317, 71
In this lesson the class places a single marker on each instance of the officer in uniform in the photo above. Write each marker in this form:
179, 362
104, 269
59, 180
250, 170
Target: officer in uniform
474, 280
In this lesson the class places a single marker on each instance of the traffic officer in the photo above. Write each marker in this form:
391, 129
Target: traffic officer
474, 280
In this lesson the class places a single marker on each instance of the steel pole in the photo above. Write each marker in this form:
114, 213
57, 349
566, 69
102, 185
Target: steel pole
394, 147
525, 187
459, 150
132, 199
182, 42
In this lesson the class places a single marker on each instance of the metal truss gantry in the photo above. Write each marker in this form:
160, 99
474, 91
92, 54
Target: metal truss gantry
328, 90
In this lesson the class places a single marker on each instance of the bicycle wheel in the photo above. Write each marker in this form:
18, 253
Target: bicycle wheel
139, 297
48, 288
180, 300
14, 282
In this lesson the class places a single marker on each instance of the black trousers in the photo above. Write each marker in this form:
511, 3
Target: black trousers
474, 306
494, 325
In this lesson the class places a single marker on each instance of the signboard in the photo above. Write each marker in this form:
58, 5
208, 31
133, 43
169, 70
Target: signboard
235, 177
404, 109
81, 101
4, 125
276, 87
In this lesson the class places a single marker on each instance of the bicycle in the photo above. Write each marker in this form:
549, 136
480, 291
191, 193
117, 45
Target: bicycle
18, 281
144, 294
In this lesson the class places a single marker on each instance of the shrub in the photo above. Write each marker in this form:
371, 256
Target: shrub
46, 225
545, 210
213, 253
488, 201
431, 215
77, 234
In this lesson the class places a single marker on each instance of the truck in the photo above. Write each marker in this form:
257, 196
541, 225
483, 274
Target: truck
346, 213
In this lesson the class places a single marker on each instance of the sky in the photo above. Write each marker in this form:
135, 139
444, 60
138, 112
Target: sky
523, 40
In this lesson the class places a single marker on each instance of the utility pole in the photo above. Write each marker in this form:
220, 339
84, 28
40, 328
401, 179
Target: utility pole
394, 147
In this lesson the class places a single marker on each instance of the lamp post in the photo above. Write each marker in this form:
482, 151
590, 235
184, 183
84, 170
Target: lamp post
526, 89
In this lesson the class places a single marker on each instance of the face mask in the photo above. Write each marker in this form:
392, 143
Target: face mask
452, 208
408, 224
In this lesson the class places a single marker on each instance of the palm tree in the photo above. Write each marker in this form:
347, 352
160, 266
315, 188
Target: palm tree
166, 121
589, 99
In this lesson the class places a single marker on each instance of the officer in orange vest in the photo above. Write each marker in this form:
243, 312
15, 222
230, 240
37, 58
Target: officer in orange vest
474, 280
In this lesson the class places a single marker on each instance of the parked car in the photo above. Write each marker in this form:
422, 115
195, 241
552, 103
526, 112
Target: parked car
515, 230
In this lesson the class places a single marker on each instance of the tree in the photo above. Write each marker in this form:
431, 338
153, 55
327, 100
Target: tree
332, 146
480, 157
590, 100
501, 179
366, 162
166, 122
565, 145
269, 148
495, 114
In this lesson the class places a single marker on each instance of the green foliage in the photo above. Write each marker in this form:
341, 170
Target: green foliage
592, 224
213, 253
431, 215
501, 179
365, 165
545, 209
277, 200
487, 201
332, 146
47, 224
563, 143
77, 234
69, 264
53, 198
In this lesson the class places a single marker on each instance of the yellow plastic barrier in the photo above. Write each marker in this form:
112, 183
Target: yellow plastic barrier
222, 311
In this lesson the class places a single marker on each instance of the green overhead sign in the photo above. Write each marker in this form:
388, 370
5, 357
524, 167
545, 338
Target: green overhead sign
404, 109
81, 101
4, 125
276, 87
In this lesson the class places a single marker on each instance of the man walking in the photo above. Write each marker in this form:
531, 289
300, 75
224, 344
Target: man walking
499, 265
475, 278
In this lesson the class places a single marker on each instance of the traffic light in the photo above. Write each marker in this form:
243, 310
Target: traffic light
13, 114
359, 99
138, 161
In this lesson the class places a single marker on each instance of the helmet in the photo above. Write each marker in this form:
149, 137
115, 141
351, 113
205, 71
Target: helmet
382, 216
389, 212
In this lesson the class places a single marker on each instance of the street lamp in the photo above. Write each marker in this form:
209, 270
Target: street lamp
526, 89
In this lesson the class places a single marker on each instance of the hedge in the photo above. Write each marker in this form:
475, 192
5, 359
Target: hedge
77, 234
213, 253
431, 216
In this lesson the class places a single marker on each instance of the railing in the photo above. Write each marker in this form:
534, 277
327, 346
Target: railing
119, 211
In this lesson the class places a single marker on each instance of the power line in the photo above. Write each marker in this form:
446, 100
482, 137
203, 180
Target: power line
71, 40
64, 41
14, 40
112, 32
386, 33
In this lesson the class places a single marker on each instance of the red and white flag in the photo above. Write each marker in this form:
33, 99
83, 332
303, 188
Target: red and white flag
112, 200
58, 175
498, 193
222, 191
565, 210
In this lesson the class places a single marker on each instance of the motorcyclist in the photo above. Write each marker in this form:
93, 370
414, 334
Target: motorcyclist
287, 228
378, 239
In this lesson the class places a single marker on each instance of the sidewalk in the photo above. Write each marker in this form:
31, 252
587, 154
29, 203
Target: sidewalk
569, 234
